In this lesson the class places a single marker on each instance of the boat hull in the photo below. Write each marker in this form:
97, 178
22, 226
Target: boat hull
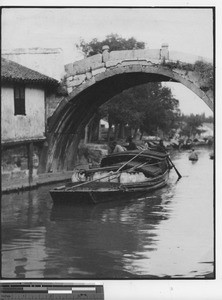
72, 195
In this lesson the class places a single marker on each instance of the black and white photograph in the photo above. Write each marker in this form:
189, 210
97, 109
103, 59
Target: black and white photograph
108, 143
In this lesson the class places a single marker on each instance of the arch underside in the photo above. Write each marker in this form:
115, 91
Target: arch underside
76, 110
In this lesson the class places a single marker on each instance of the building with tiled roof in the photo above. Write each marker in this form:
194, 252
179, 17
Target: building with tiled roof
14, 72
24, 94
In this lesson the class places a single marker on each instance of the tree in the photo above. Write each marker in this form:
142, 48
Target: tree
161, 111
147, 107
114, 41
206, 71
123, 109
191, 124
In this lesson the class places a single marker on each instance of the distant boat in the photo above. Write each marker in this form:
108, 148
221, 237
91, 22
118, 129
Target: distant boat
212, 155
123, 175
193, 156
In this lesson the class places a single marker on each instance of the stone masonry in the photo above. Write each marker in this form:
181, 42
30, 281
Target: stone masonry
89, 69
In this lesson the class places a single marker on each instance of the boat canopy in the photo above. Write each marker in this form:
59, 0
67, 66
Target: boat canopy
127, 155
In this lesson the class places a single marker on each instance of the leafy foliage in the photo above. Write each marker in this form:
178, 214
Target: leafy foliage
114, 41
204, 69
206, 72
148, 107
190, 124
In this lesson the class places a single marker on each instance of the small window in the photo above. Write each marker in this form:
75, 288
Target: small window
19, 100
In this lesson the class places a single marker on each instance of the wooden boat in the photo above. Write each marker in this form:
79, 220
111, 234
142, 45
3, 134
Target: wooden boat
212, 155
123, 175
193, 156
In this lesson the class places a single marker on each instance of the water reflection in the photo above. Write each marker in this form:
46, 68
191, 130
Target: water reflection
108, 232
166, 233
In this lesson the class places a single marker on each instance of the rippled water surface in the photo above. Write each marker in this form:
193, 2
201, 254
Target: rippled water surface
170, 233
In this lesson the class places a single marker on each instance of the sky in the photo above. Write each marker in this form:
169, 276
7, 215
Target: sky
186, 30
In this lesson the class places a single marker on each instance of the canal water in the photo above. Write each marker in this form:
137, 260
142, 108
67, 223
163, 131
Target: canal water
167, 234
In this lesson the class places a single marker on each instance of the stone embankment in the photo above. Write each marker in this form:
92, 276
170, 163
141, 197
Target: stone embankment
89, 155
19, 184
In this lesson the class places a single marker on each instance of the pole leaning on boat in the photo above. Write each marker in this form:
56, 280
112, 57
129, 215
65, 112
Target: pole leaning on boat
178, 173
110, 174
131, 159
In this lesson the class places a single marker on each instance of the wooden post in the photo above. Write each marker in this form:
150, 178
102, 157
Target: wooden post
30, 162
86, 134
99, 131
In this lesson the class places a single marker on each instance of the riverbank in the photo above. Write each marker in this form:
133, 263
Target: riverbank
20, 184
17, 178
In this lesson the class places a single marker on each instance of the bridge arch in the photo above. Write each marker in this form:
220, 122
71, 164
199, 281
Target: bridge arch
75, 111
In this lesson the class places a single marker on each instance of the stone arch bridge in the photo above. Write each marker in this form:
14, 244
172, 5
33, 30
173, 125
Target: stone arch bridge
93, 81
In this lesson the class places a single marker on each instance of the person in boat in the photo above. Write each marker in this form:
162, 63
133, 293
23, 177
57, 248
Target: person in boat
131, 144
181, 144
143, 146
146, 146
116, 148
193, 155
161, 147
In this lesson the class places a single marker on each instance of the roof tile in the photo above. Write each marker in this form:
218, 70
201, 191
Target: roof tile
14, 72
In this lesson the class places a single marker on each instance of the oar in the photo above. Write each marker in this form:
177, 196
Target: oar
178, 173
136, 167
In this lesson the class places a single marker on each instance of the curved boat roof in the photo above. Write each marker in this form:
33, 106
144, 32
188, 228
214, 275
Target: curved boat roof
127, 155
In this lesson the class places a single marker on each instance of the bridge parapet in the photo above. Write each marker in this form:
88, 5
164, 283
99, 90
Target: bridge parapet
83, 70
107, 59
153, 54
175, 66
